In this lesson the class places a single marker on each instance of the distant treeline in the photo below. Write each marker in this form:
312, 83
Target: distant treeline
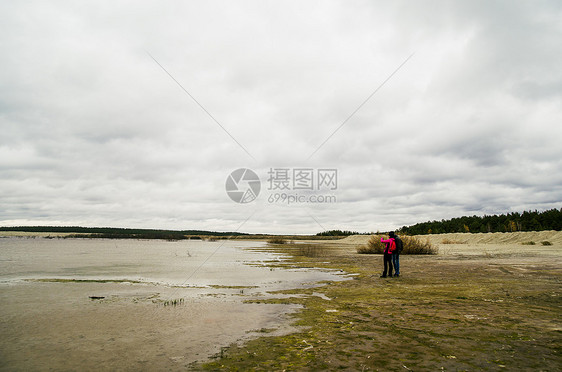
122, 233
337, 233
526, 221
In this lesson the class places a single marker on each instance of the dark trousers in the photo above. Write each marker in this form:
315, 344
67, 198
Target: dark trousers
396, 263
387, 264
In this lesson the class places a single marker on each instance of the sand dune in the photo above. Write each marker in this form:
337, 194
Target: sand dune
555, 237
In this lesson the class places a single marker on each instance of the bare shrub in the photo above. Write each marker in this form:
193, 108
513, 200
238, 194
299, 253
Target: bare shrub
529, 243
546, 242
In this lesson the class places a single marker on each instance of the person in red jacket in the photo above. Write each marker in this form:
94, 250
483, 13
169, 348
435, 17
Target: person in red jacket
390, 246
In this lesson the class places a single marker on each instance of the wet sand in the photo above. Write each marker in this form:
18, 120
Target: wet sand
49, 321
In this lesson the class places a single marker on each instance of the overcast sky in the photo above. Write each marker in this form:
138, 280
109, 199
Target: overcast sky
95, 131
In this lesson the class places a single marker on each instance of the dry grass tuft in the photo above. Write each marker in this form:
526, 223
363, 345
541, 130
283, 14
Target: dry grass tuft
374, 245
451, 241
414, 245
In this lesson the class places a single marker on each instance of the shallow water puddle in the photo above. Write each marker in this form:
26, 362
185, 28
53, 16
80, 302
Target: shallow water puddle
126, 304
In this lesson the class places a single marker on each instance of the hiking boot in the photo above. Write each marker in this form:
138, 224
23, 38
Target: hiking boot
383, 276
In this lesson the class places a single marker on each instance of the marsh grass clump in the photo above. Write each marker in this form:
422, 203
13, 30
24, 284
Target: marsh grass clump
310, 250
412, 245
546, 242
530, 242
277, 240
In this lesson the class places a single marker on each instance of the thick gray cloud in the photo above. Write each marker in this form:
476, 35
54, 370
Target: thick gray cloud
94, 132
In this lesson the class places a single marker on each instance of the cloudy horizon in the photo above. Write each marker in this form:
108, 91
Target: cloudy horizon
134, 113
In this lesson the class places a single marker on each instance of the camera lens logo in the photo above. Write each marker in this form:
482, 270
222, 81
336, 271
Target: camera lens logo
243, 185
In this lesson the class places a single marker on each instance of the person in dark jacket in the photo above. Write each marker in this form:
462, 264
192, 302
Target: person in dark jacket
390, 246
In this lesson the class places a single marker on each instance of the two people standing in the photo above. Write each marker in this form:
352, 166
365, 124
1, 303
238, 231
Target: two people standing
393, 248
